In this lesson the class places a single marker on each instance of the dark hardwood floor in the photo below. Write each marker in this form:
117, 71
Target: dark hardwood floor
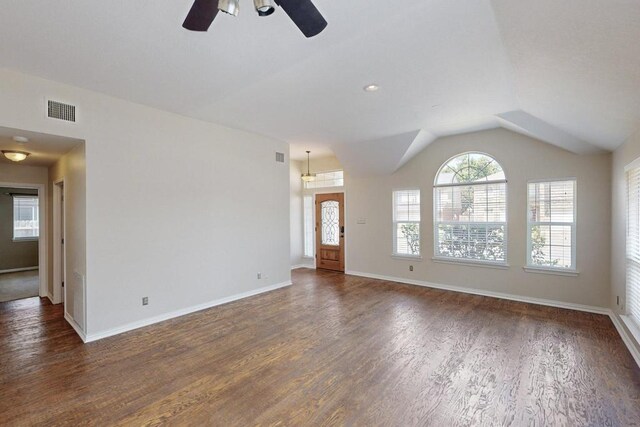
330, 350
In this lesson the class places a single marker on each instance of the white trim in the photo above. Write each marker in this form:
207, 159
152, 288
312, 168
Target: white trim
471, 263
295, 267
554, 271
50, 298
43, 241
181, 312
407, 257
75, 326
500, 295
16, 270
59, 274
628, 341
25, 239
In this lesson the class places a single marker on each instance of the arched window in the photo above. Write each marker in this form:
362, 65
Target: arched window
470, 218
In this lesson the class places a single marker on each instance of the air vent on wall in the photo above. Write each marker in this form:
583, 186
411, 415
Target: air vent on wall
60, 111
279, 157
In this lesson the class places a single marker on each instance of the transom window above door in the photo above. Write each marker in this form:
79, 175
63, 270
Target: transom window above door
470, 203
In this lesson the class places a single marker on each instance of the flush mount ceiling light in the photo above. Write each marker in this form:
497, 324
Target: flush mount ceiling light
264, 7
15, 156
371, 88
308, 177
232, 7
21, 139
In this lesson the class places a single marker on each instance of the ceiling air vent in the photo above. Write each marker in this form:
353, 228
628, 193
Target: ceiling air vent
60, 111
279, 157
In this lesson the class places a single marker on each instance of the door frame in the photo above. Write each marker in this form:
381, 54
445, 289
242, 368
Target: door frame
43, 271
331, 190
59, 270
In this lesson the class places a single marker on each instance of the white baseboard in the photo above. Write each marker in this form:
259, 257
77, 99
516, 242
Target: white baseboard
628, 341
295, 267
17, 270
75, 326
501, 295
156, 319
50, 298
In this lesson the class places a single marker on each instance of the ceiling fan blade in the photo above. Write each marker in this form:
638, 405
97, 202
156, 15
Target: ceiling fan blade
305, 15
201, 15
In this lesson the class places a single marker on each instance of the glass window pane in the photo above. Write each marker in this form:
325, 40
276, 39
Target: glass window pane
330, 223
26, 222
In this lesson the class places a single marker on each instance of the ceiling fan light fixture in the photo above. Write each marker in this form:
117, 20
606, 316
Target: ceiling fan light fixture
264, 7
15, 156
232, 7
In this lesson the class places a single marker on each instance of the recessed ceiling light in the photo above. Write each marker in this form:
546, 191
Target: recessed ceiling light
21, 139
371, 88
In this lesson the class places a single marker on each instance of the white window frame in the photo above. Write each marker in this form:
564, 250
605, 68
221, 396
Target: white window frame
468, 261
533, 268
630, 321
13, 226
395, 222
313, 184
305, 237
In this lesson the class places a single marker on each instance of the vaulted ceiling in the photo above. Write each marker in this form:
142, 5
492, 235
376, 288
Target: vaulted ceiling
566, 72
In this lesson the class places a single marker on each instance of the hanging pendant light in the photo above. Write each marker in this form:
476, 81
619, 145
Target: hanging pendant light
308, 177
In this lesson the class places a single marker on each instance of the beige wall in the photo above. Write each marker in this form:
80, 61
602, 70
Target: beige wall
179, 210
624, 155
72, 168
369, 246
20, 174
14, 255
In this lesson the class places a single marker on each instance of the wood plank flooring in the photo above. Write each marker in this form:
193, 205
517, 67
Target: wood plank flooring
329, 350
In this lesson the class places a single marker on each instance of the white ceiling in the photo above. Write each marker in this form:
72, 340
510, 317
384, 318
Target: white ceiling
567, 72
44, 149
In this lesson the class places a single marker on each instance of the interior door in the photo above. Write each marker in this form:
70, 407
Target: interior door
330, 231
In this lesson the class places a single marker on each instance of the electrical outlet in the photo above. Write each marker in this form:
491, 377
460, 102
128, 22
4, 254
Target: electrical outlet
259, 275
411, 268
145, 300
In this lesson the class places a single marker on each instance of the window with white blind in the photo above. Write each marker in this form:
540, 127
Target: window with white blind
470, 210
308, 226
406, 223
551, 220
26, 221
326, 179
633, 247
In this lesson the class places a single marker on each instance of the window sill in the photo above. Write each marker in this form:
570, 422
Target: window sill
557, 272
407, 257
307, 257
471, 263
632, 326
26, 239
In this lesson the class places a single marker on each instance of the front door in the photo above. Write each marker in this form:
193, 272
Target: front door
330, 231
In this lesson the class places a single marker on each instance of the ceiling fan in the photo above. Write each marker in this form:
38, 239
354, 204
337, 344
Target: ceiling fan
302, 12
